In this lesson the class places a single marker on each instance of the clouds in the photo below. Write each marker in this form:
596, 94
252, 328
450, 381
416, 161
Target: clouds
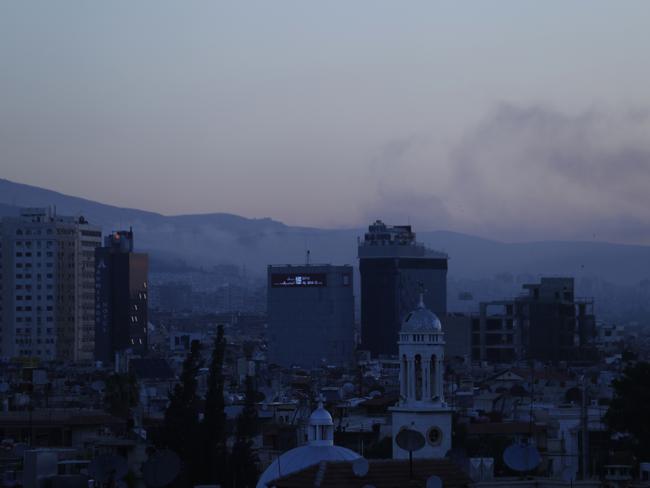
527, 172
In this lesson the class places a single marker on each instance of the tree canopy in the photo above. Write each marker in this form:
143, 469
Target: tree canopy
628, 412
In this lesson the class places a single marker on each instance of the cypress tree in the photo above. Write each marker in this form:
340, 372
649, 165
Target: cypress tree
122, 394
244, 460
181, 430
628, 411
214, 420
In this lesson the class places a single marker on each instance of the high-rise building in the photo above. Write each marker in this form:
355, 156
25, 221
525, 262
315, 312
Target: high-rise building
47, 285
548, 324
310, 315
394, 269
121, 297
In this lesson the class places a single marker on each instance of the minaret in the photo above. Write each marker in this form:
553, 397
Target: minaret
422, 405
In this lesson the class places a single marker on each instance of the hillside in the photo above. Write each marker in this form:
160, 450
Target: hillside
216, 238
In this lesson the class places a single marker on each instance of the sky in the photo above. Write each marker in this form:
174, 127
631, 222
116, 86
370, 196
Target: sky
515, 120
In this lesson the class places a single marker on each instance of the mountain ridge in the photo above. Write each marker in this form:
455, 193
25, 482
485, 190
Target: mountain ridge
219, 238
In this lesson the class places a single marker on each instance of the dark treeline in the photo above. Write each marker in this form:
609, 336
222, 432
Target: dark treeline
202, 443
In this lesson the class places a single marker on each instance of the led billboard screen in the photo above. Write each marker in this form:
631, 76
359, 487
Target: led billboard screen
298, 279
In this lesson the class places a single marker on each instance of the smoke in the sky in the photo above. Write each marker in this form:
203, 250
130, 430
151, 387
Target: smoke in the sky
528, 173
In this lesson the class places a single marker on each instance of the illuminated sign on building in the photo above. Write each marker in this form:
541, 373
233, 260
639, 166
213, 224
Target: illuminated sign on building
298, 279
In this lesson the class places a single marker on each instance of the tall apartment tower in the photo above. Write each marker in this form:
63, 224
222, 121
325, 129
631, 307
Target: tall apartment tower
47, 284
394, 269
310, 315
121, 297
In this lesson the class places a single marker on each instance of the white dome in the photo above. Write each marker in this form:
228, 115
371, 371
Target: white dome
319, 448
421, 320
320, 416
303, 457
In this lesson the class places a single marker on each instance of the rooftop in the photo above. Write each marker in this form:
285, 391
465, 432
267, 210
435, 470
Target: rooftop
381, 474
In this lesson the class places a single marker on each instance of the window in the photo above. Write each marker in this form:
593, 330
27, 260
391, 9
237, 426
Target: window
418, 377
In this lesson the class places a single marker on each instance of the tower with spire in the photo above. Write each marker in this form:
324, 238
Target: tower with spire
422, 404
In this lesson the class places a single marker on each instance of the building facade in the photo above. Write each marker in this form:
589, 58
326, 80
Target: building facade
310, 315
121, 311
546, 323
394, 268
47, 285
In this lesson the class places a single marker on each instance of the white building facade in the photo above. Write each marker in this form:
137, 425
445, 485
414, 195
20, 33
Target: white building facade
47, 286
422, 405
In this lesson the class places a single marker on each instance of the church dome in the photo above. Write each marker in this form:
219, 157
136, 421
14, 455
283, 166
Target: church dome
319, 448
320, 416
421, 320
302, 457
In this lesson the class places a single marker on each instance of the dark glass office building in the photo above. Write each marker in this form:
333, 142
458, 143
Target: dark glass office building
394, 269
310, 315
120, 297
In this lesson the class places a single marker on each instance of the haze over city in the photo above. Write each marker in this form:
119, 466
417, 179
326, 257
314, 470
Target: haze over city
288, 244
508, 120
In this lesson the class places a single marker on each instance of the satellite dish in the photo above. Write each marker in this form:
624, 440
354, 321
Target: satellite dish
434, 482
521, 457
161, 469
105, 468
97, 385
360, 467
410, 440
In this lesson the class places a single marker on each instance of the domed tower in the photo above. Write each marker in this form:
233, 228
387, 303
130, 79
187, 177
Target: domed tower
320, 447
321, 427
422, 405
